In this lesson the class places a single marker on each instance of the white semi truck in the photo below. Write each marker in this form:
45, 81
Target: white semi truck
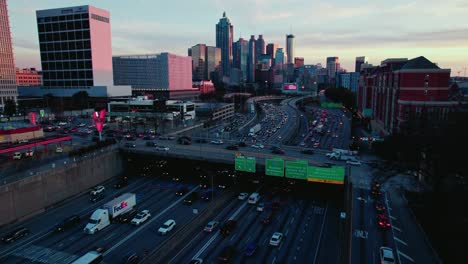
102, 217
255, 129
339, 156
345, 152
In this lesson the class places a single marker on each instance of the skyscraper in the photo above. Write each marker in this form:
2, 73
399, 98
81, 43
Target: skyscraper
224, 39
7, 64
199, 71
241, 53
279, 58
332, 66
213, 61
251, 60
259, 48
290, 43
76, 52
359, 61
271, 50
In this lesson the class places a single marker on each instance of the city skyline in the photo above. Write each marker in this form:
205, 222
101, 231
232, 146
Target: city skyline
149, 30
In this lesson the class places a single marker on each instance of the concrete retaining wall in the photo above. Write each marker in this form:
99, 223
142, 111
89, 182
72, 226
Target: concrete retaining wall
32, 195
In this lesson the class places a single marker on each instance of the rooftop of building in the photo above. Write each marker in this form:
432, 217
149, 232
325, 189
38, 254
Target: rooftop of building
208, 106
419, 63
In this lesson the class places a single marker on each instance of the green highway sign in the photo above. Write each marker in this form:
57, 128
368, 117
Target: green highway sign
246, 164
274, 167
334, 175
296, 169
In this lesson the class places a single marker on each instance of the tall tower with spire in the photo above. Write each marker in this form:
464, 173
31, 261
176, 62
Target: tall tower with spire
224, 39
290, 43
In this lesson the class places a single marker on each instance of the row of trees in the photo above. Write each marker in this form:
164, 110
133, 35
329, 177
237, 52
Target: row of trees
341, 95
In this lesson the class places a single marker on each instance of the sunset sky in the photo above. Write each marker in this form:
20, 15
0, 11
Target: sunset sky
376, 29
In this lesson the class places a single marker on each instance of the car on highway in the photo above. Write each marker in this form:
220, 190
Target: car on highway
201, 140
267, 220
162, 148
307, 151
250, 249
243, 196
278, 151
376, 193
227, 254
131, 258
383, 221
150, 144
96, 197
148, 137
128, 216
217, 142
276, 239
67, 223
228, 227
242, 144
232, 147
167, 227
121, 183
211, 226
17, 156
130, 145
354, 162
29, 153
191, 198
260, 207
59, 150
379, 207
196, 261
15, 235
97, 190
206, 195
181, 191
141, 217
259, 146
386, 255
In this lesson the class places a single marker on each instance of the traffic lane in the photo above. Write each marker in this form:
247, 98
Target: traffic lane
148, 238
61, 246
202, 237
42, 224
331, 250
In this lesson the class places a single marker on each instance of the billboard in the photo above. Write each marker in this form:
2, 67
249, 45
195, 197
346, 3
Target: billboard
333, 175
296, 169
289, 86
274, 167
246, 164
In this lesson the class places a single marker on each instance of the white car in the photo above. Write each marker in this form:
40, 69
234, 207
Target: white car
243, 196
81, 125
260, 146
141, 217
163, 148
354, 162
386, 255
97, 190
167, 226
217, 142
276, 239
17, 156
59, 150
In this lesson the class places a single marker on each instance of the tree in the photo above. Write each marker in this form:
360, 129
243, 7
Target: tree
80, 100
10, 108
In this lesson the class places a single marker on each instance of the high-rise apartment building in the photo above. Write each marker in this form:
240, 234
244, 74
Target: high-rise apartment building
271, 50
7, 64
359, 62
290, 46
279, 58
332, 66
251, 60
241, 53
259, 48
76, 53
199, 71
224, 39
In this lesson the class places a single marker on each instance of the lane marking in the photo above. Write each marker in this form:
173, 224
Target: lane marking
233, 236
401, 241
393, 218
405, 256
321, 231
153, 218
398, 229
274, 260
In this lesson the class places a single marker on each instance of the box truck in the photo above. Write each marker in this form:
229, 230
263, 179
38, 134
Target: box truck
103, 217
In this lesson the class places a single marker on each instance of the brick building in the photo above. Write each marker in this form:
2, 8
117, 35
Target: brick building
400, 90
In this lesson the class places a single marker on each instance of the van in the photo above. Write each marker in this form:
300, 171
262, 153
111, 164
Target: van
253, 198
92, 257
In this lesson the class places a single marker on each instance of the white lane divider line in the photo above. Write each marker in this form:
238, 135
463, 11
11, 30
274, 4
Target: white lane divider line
401, 241
396, 228
233, 236
405, 256
274, 260
393, 218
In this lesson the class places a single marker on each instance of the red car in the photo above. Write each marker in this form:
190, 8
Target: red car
380, 207
383, 221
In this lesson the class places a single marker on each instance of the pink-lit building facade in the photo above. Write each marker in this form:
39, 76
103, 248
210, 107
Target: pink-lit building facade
204, 86
7, 65
161, 76
400, 90
28, 77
